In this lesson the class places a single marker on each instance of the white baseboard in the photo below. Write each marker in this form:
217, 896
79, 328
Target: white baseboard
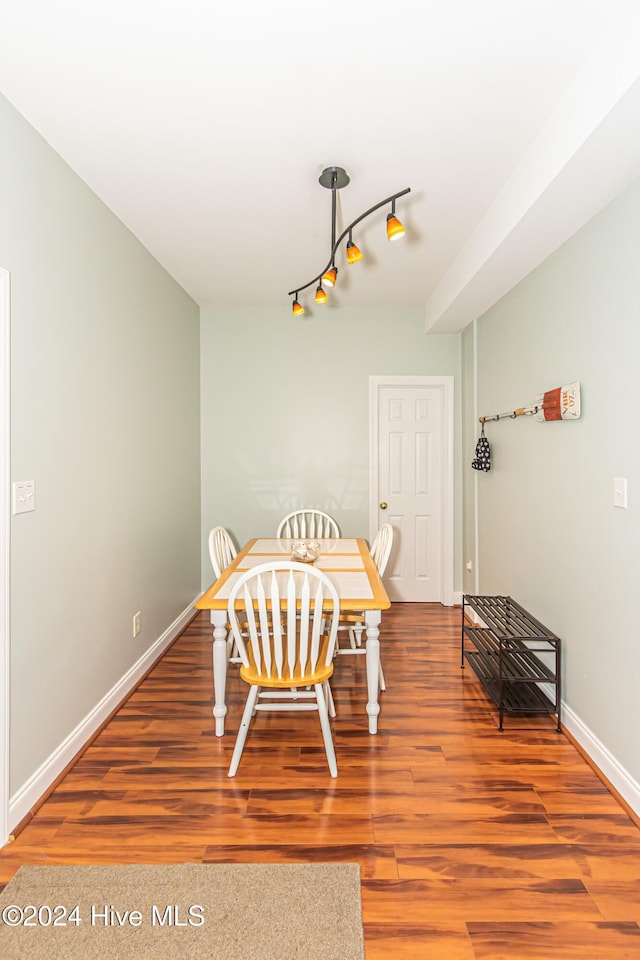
474, 617
36, 786
612, 769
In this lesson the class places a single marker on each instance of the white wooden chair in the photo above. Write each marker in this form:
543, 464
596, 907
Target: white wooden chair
222, 549
354, 625
381, 547
308, 523
291, 611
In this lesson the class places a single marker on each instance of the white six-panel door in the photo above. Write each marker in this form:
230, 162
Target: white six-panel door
411, 449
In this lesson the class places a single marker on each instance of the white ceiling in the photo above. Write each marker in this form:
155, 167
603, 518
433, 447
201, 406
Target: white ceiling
205, 125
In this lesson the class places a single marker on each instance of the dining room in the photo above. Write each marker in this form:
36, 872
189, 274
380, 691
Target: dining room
154, 383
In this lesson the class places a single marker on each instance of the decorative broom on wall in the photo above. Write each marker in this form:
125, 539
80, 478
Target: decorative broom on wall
563, 403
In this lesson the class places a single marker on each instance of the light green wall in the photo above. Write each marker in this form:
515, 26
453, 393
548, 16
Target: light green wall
549, 534
285, 411
105, 419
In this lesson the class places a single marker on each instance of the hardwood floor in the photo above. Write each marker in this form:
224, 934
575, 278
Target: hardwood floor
473, 844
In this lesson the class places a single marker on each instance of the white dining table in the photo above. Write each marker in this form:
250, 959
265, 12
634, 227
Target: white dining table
347, 562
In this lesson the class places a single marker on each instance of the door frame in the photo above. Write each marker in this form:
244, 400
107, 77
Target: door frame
445, 385
5, 555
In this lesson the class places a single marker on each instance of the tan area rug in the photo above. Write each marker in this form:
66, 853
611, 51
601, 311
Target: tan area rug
183, 912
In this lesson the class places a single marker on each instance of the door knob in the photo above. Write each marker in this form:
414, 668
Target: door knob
383, 505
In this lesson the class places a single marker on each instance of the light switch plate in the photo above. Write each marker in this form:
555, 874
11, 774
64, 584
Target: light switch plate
620, 492
24, 496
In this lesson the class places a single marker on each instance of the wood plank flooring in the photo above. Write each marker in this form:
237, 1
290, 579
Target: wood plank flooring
473, 844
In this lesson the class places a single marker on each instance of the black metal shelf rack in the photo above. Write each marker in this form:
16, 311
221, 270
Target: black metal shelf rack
512, 654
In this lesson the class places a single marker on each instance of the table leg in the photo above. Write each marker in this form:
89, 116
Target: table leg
372, 619
220, 657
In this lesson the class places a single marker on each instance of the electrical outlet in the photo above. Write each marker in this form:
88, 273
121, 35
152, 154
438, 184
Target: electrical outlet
137, 623
24, 496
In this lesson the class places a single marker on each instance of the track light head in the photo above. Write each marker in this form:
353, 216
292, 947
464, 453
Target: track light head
354, 253
395, 230
330, 277
321, 295
297, 308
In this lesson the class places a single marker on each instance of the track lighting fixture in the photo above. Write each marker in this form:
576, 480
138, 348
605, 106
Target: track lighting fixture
334, 178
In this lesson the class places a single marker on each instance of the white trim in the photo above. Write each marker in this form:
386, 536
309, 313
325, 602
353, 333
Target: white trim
474, 617
612, 769
36, 786
476, 521
5, 544
446, 385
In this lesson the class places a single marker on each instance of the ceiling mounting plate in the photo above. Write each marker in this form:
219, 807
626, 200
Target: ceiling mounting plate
326, 178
